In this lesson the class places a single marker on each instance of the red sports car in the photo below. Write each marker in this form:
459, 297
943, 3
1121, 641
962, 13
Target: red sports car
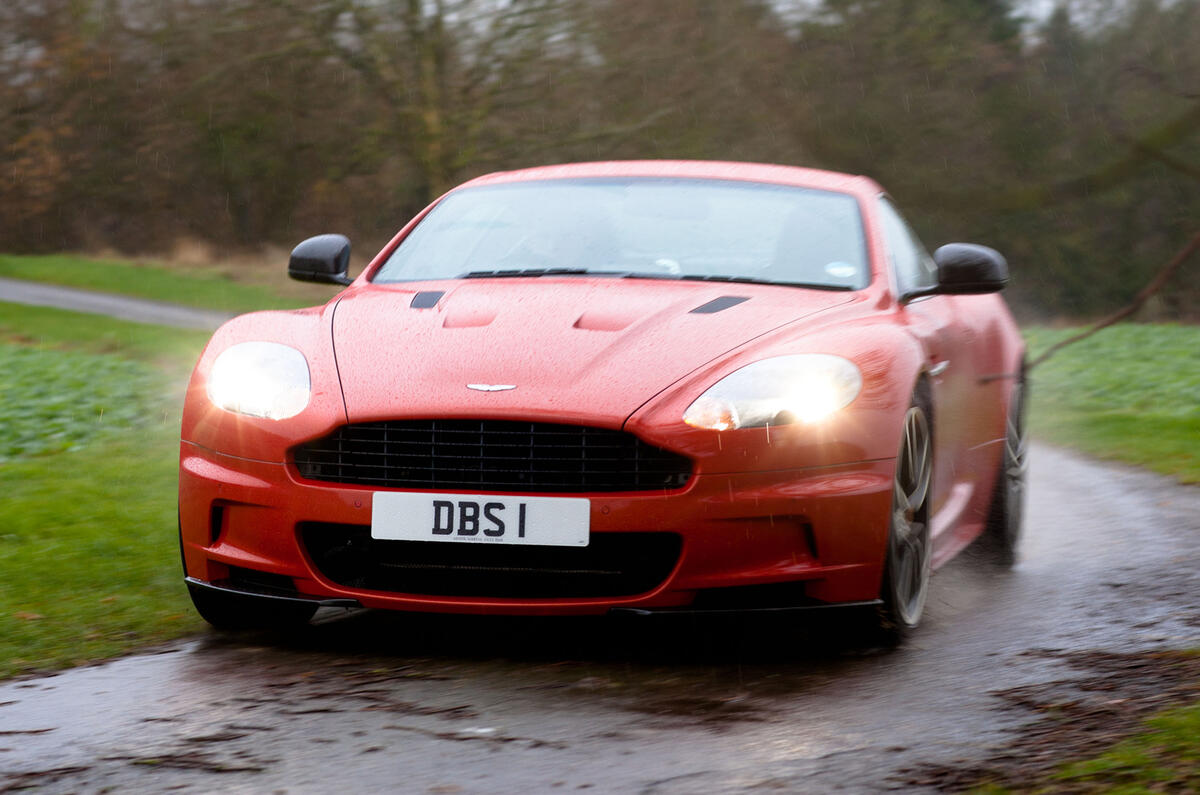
637, 386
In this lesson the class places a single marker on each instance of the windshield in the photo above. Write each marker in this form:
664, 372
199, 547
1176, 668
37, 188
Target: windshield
641, 228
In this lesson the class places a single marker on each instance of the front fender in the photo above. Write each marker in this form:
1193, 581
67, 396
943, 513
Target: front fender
307, 330
890, 360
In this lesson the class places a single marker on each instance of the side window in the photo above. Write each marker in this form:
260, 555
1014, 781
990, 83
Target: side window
912, 264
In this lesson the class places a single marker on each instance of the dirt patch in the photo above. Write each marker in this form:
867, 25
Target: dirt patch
710, 712
194, 760
1077, 717
17, 782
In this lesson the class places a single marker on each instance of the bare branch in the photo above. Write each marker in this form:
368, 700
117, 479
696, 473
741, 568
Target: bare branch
1157, 283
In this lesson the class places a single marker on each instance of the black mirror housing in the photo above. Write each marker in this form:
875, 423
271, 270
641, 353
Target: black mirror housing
324, 258
968, 269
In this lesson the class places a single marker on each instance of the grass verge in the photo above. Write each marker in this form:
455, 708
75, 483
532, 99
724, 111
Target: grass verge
52, 400
88, 545
207, 287
1165, 758
1129, 393
172, 350
89, 552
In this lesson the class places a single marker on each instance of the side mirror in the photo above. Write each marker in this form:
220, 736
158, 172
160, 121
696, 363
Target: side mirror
324, 258
967, 269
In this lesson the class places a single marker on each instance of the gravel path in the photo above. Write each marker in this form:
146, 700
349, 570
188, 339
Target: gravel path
138, 310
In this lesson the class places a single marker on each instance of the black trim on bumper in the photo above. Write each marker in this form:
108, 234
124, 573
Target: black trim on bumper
222, 586
691, 611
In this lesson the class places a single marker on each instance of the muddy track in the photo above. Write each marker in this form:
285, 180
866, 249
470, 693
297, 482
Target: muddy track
381, 703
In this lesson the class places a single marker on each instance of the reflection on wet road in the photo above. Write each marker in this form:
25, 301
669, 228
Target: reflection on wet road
457, 704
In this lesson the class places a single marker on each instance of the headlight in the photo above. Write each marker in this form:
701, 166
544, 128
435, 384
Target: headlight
806, 387
262, 379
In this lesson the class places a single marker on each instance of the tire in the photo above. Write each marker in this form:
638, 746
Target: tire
908, 562
1006, 515
234, 612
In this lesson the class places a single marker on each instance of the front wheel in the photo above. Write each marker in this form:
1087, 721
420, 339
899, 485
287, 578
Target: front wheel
234, 612
908, 563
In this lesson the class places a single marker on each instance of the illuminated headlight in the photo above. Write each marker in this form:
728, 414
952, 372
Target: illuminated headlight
806, 387
261, 379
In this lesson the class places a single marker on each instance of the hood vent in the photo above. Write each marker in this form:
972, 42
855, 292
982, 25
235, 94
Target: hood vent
427, 299
719, 304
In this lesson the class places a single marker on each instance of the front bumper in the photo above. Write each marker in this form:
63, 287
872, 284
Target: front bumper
796, 537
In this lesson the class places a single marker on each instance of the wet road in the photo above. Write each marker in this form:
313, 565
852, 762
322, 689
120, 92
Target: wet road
380, 703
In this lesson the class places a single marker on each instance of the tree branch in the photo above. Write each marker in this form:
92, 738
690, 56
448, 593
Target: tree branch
1157, 283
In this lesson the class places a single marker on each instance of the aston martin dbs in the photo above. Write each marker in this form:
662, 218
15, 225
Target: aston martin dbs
645, 387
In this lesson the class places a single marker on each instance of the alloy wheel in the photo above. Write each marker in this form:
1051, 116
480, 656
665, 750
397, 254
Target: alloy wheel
909, 558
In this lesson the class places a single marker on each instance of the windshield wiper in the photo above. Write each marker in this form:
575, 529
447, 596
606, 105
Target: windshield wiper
516, 272
701, 277
688, 277
693, 277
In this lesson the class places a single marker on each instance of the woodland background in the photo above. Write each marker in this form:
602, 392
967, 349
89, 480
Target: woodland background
1067, 136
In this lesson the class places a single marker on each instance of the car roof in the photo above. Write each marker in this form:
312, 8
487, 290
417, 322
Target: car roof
691, 169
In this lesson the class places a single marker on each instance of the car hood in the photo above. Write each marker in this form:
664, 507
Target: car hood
572, 349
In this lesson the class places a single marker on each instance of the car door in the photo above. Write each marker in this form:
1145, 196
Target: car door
982, 320
935, 321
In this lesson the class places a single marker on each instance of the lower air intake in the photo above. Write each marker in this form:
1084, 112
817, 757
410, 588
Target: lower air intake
613, 564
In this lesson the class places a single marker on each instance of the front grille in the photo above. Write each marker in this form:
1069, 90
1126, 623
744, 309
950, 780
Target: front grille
613, 564
497, 455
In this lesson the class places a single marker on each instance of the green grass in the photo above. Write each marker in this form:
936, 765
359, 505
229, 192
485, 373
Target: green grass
1165, 758
89, 445
1129, 393
42, 327
208, 288
52, 401
88, 550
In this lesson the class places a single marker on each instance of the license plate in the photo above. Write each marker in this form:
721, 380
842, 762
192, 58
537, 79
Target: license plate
480, 519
